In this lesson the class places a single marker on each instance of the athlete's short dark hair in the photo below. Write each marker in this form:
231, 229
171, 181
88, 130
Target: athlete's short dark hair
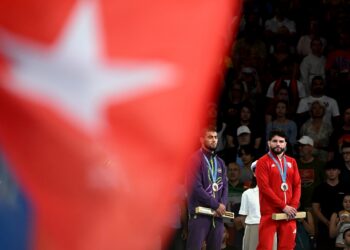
277, 132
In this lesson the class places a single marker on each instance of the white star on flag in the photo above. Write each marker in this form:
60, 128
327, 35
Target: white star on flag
72, 75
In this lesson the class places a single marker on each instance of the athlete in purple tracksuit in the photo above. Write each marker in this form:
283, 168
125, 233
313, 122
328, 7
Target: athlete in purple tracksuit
209, 189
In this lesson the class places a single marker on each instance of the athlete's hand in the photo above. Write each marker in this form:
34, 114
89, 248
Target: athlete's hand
221, 210
290, 211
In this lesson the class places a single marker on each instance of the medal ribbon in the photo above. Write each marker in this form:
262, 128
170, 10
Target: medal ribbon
212, 166
283, 171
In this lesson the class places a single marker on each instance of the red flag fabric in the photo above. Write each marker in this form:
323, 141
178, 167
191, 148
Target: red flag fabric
99, 104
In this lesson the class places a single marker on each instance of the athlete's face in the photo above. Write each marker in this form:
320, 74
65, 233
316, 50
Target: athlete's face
277, 144
209, 140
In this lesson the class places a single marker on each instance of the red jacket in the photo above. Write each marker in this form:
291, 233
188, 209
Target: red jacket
272, 198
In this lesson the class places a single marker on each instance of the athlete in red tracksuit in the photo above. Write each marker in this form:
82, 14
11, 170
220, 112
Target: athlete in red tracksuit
279, 186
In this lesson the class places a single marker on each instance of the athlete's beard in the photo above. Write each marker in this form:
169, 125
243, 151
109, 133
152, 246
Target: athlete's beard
278, 150
209, 147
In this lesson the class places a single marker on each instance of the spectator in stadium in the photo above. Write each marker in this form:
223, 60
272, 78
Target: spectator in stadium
304, 46
338, 67
340, 221
326, 200
310, 170
345, 163
247, 155
318, 130
232, 103
346, 237
281, 122
235, 190
288, 79
313, 65
332, 114
246, 118
339, 136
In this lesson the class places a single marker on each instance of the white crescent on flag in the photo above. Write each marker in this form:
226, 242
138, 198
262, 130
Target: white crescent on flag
73, 76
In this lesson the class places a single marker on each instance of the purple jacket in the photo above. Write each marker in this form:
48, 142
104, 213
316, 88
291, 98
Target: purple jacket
200, 188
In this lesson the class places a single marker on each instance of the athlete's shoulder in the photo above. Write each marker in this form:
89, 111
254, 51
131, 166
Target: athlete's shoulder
290, 158
221, 163
264, 158
263, 161
196, 156
220, 159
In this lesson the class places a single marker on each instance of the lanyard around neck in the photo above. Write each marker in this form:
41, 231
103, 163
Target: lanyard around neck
212, 166
282, 169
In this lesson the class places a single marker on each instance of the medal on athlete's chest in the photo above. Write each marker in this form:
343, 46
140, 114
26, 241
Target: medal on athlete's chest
284, 186
215, 187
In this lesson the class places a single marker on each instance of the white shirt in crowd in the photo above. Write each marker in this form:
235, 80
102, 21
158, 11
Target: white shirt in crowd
310, 67
331, 105
273, 25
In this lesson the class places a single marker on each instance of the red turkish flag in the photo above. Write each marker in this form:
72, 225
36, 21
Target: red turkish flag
99, 104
